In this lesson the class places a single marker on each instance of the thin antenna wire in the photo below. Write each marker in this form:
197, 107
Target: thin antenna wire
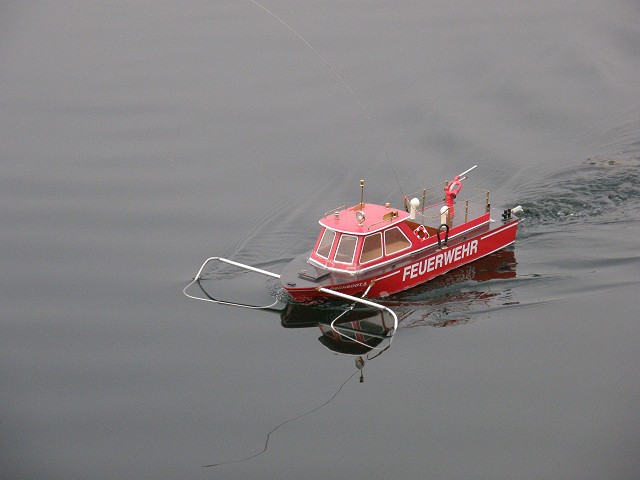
355, 97
266, 443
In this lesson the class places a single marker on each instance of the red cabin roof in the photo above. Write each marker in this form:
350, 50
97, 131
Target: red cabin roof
376, 217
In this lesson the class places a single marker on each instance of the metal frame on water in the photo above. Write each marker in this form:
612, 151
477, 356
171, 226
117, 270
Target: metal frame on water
328, 291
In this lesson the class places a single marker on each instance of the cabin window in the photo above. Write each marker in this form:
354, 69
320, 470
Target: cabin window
324, 247
371, 248
346, 249
395, 240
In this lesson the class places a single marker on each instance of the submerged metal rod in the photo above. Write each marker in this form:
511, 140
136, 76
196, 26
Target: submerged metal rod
364, 302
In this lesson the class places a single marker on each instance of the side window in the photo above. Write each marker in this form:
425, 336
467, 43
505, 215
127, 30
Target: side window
324, 247
346, 249
395, 240
372, 248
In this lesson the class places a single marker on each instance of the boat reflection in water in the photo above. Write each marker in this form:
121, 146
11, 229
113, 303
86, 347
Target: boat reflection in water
446, 301
455, 298
362, 333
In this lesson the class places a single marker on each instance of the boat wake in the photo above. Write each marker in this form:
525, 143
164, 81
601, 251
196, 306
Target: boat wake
601, 190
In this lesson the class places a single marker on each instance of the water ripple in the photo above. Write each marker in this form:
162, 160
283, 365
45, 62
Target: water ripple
602, 189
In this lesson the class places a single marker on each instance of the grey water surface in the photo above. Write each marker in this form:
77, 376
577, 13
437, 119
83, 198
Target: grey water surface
139, 138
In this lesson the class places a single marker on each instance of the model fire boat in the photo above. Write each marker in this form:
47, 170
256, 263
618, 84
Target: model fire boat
370, 250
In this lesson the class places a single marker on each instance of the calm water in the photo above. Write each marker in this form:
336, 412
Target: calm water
139, 138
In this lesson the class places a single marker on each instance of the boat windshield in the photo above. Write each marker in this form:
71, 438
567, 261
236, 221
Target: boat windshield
324, 247
346, 249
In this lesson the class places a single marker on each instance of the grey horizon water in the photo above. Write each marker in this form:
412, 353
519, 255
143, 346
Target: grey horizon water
140, 138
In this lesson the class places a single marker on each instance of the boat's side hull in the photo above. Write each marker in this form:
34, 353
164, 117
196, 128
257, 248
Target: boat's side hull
408, 273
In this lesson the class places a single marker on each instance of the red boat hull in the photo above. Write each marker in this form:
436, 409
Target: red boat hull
410, 271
